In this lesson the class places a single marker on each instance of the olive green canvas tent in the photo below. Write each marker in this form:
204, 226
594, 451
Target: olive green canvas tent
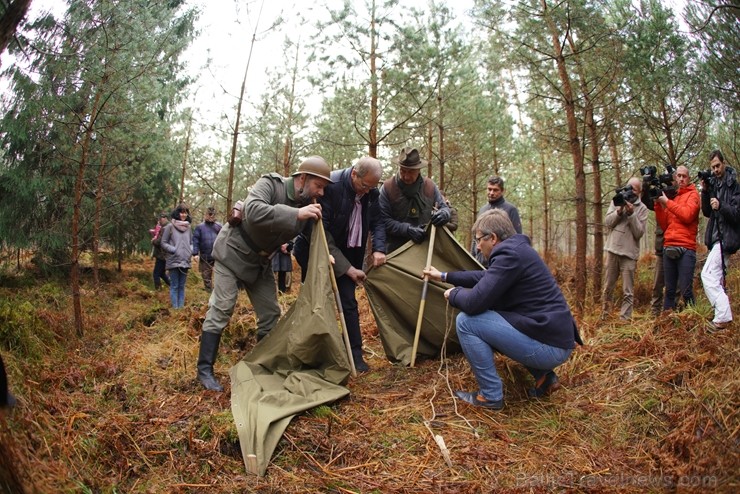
301, 364
394, 291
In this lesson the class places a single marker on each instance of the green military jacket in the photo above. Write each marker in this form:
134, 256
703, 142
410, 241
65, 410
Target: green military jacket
269, 219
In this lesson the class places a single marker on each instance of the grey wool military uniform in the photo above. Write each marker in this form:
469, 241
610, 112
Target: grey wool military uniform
242, 254
276, 209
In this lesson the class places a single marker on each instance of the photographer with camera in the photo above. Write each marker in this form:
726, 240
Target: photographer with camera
648, 179
626, 219
679, 219
656, 299
720, 202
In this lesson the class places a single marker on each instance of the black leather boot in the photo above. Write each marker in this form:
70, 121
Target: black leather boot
360, 364
206, 358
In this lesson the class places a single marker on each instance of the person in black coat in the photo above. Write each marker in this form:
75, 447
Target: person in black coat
495, 193
409, 202
720, 202
204, 237
350, 212
514, 307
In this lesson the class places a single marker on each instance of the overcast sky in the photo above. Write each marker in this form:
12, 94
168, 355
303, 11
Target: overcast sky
226, 36
218, 56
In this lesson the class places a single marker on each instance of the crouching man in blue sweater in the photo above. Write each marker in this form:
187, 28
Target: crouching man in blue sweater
514, 307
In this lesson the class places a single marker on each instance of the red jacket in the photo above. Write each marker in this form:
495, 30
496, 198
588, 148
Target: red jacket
679, 218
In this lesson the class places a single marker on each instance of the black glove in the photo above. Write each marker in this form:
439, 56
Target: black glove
416, 233
441, 217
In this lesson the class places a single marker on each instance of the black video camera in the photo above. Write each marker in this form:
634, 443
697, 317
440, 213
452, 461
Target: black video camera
661, 184
624, 195
648, 171
707, 178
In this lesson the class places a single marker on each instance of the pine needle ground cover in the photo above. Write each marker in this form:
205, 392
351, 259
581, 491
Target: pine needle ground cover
646, 406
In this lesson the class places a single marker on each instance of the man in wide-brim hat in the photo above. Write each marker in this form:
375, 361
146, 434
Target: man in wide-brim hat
408, 201
410, 158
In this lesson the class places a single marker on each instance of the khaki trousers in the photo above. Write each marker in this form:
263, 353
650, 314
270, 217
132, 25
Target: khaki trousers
262, 294
616, 264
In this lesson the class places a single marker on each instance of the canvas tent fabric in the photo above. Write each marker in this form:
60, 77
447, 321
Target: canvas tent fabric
301, 364
394, 291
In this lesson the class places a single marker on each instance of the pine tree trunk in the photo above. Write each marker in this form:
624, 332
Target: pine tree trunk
577, 156
546, 200
441, 128
12, 16
235, 138
76, 215
181, 197
98, 212
288, 143
598, 208
598, 220
373, 134
614, 154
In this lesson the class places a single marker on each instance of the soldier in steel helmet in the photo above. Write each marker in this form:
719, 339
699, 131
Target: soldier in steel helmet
275, 211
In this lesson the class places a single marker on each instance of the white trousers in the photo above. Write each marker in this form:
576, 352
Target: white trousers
711, 278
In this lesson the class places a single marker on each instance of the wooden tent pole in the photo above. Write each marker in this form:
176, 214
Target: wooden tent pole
423, 297
338, 300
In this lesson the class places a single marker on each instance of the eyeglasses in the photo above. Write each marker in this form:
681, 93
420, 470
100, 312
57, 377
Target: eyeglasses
366, 186
481, 238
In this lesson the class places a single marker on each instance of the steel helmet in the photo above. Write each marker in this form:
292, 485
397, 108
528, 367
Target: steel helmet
316, 166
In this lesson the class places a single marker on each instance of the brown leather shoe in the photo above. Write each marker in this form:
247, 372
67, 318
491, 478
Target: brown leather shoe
544, 386
475, 399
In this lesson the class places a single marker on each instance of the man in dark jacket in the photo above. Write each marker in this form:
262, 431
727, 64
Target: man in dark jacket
495, 193
203, 238
408, 201
515, 307
160, 256
720, 202
656, 300
350, 211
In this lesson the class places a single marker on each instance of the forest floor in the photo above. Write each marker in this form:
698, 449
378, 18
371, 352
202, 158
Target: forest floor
649, 405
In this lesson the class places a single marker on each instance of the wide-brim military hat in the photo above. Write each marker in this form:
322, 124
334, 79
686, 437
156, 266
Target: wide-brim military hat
410, 158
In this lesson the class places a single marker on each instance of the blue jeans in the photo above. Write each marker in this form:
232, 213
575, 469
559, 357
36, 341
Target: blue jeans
679, 272
178, 277
482, 334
